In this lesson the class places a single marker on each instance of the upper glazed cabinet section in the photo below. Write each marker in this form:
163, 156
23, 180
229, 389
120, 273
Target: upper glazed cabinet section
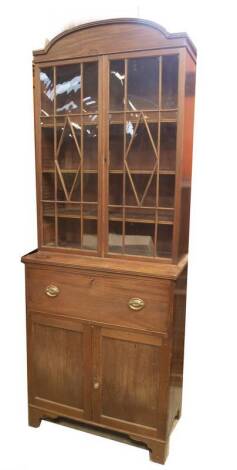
110, 131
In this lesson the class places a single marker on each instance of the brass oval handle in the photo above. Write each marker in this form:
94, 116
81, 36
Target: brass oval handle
52, 291
96, 385
135, 303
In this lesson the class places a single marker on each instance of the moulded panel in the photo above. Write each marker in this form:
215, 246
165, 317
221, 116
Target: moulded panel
128, 394
57, 363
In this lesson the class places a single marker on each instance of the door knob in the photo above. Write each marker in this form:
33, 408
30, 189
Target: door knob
96, 385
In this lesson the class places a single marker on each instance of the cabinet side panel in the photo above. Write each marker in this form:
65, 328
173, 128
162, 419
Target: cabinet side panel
186, 167
177, 359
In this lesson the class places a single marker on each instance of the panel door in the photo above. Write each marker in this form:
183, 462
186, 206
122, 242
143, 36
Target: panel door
127, 380
59, 365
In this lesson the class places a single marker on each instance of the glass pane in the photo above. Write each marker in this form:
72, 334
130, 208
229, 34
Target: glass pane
48, 231
116, 146
48, 209
90, 211
68, 186
143, 83
48, 186
115, 236
166, 216
140, 215
166, 190
141, 143
139, 239
90, 187
69, 210
141, 189
69, 232
47, 91
68, 89
168, 146
164, 241
90, 147
115, 189
117, 77
90, 87
169, 81
89, 239
47, 147
69, 144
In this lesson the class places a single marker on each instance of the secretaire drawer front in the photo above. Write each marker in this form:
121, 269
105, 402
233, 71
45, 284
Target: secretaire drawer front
116, 300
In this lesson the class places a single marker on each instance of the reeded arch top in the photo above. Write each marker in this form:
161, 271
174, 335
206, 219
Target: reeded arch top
112, 36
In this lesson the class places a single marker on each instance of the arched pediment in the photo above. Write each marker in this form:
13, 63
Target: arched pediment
109, 37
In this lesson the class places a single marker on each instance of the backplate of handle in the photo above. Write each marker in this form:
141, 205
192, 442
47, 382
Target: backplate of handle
52, 291
135, 303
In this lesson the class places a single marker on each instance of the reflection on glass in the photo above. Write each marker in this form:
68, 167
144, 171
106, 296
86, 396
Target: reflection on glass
169, 81
47, 91
117, 76
68, 89
143, 83
90, 87
90, 147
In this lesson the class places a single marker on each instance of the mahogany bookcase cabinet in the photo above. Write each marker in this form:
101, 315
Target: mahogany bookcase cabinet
106, 288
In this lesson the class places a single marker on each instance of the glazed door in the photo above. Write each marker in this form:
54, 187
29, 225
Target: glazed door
142, 129
59, 365
127, 380
69, 128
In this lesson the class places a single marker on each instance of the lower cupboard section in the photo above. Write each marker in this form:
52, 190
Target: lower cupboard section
114, 377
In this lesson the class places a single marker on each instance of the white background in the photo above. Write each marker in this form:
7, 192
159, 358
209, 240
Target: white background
206, 436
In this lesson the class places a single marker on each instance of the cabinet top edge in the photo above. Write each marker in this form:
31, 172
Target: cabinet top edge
180, 39
147, 269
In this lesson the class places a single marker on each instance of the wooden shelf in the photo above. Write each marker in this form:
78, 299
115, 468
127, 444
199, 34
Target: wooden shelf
71, 214
143, 172
115, 216
72, 171
116, 172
